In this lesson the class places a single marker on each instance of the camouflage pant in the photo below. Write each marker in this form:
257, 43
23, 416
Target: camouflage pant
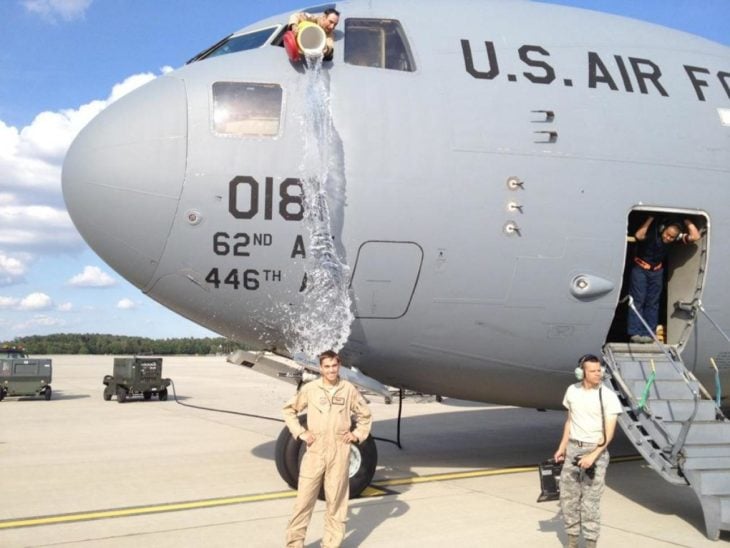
580, 496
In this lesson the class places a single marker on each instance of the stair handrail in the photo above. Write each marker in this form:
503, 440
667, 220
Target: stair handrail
684, 431
618, 379
713, 322
647, 387
718, 386
682, 372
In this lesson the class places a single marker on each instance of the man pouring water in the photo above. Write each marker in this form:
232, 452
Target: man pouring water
327, 21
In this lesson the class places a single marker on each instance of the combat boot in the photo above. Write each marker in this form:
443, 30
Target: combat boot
572, 541
591, 543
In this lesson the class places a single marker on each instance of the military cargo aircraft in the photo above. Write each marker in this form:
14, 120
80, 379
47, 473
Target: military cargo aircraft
491, 167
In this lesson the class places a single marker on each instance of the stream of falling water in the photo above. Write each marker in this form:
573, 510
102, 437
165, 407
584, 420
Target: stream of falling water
321, 319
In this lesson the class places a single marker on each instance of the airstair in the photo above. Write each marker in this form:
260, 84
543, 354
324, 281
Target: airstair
675, 424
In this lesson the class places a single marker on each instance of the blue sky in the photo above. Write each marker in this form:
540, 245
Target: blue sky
61, 62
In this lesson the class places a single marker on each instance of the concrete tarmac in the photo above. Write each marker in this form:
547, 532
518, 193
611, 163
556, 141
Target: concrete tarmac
80, 471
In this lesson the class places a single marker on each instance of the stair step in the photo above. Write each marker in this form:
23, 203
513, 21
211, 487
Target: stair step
626, 350
681, 410
705, 432
670, 401
664, 390
708, 463
701, 450
642, 370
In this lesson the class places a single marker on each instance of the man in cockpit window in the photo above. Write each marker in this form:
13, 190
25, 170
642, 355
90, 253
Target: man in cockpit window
327, 20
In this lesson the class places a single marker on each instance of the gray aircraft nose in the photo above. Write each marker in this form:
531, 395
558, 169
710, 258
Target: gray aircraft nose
123, 175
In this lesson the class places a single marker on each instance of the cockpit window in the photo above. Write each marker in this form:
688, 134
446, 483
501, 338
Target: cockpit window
244, 108
377, 43
237, 42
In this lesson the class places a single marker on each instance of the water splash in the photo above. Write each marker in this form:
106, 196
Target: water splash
322, 319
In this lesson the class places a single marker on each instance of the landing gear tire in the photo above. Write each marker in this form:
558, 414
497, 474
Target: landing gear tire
121, 394
108, 393
363, 461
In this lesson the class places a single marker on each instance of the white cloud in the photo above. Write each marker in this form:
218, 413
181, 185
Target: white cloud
35, 228
8, 303
38, 321
12, 268
92, 276
32, 216
65, 307
68, 10
31, 158
36, 301
126, 304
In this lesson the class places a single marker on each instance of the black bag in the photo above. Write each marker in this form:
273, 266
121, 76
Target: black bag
549, 471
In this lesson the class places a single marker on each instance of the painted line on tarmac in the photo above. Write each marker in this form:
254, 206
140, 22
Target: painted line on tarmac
142, 510
376, 489
412, 480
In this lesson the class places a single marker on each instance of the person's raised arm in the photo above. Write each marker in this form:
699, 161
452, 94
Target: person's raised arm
693, 234
641, 233
295, 19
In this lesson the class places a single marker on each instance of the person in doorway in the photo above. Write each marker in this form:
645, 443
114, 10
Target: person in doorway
332, 403
647, 273
327, 20
593, 410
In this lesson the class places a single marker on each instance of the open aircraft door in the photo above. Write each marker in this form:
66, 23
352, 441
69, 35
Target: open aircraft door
686, 267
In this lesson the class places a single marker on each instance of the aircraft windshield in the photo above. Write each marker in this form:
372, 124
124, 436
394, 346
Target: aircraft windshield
379, 43
245, 108
235, 43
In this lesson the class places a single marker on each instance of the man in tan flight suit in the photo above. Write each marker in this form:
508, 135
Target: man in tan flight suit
331, 404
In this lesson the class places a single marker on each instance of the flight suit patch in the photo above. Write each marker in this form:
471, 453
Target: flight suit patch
337, 400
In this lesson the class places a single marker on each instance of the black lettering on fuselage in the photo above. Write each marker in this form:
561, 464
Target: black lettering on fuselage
697, 83
298, 248
262, 239
598, 73
233, 207
269, 199
624, 73
652, 75
469, 61
724, 77
549, 75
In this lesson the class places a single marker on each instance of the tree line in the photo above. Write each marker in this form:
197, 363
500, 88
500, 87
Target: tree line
94, 343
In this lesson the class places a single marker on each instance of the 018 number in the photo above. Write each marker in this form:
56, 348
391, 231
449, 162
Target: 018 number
244, 200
